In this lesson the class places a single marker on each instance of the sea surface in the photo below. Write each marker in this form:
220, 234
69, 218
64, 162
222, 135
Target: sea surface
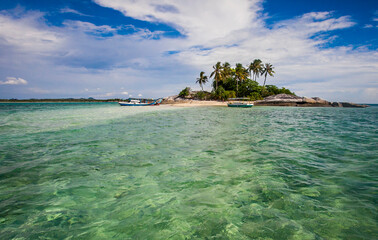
101, 171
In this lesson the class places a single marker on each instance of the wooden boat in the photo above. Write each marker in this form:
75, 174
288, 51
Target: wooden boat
240, 104
141, 102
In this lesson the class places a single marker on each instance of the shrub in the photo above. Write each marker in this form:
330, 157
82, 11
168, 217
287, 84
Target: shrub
255, 96
229, 94
185, 92
201, 95
221, 94
218, 94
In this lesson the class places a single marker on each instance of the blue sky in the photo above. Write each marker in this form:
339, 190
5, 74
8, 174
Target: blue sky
151, 48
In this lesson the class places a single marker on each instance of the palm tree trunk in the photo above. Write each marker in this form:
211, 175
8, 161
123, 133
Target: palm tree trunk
263, 88
237, 88
264, 81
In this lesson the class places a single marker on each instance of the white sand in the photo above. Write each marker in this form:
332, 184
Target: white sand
196, 103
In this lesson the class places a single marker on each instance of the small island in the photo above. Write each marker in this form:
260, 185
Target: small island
241, 82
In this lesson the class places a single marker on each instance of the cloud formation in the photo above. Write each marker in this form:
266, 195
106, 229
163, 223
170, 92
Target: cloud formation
83, 55
14, 81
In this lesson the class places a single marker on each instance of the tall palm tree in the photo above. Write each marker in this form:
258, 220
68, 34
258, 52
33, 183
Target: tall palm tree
255, 67
241, 74
202, 79
217, 73
226, 70
267, 70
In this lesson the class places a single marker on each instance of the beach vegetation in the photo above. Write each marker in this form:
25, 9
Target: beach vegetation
241, 74
217, 74
254, 96
267, 70
202, 95
202, 79
222, 94
240, 81
256, 68
218, 93
185, 92
274, 90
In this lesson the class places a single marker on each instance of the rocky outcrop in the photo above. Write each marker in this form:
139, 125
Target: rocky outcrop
295, 101
174, 99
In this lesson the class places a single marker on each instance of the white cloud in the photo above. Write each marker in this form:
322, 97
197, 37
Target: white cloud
198, 20
70, 10
89, 27
27, 34
125, 93
14, 81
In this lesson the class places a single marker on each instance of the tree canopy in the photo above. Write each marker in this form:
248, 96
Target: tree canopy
240, 81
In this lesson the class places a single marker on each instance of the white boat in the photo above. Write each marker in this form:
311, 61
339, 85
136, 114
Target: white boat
240, 104
141, 102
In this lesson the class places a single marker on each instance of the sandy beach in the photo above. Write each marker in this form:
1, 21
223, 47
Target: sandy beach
195, 103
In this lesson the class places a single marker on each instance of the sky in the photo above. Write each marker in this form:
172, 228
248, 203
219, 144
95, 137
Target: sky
155, 48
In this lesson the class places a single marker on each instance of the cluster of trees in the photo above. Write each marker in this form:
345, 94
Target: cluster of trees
240, 81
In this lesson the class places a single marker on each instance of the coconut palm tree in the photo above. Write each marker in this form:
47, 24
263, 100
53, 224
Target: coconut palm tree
267, 70
202, 79
226, 70
241, 74
255, 67
217, 73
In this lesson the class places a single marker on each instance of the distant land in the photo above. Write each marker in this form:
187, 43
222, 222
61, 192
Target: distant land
14, 100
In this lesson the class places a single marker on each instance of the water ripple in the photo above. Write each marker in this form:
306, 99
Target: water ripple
102, 171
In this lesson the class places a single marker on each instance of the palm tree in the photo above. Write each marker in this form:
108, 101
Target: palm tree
226, 70
202, 79
217, 73
240, 74
255, 67
267, 69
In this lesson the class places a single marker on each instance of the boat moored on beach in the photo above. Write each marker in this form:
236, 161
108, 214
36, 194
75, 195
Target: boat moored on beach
141, 102
240, 104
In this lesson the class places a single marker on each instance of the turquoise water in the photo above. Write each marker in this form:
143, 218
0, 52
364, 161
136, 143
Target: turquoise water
101, 171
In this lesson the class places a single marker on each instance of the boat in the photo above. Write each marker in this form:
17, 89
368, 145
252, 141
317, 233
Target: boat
240, 104
141, 102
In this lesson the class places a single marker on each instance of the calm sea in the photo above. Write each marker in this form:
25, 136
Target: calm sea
101, 171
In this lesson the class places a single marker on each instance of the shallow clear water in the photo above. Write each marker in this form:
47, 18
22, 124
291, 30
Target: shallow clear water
101, 171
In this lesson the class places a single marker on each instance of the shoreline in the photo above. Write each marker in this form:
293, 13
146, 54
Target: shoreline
300, 102
195, 103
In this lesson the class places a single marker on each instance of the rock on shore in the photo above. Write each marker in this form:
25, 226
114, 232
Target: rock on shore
295, 101
189, 102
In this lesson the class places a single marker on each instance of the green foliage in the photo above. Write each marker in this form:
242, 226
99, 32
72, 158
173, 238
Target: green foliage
231, 82
228, 84
273, 90
229, 94
202, 79
185, 92
249, 86
255, 96
202, 95
221, 94
218, 93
